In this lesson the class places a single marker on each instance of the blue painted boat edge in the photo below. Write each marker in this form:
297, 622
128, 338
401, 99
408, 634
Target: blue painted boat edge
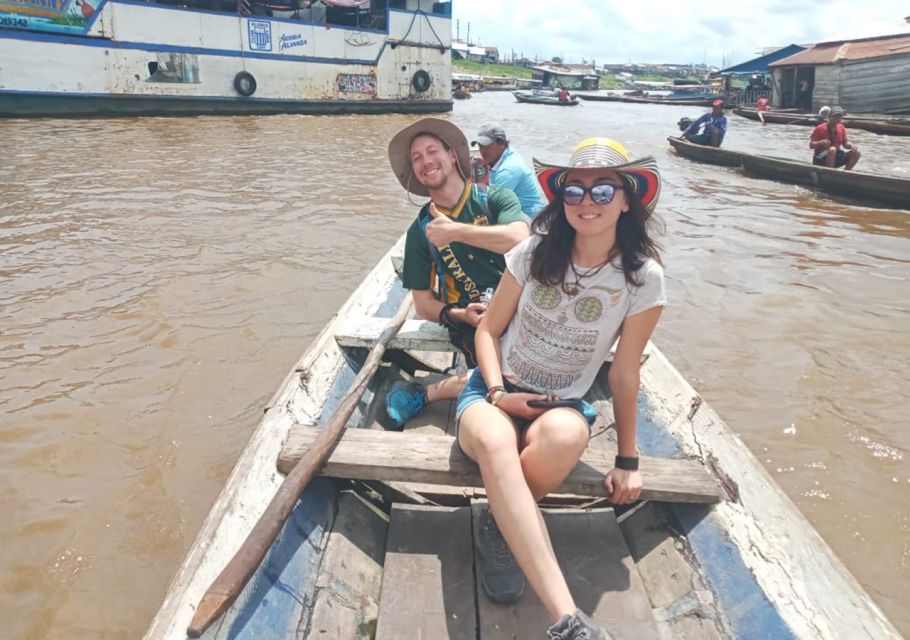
743, 602
16, 104
280, 594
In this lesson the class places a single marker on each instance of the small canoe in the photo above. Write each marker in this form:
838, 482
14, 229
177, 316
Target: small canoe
380, 546
855, 185
887, 126
688, 102
532, 97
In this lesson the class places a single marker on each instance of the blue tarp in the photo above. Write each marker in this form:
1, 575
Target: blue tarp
760, 65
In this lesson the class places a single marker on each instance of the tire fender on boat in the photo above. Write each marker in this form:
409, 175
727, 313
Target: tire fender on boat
245, 83
421, 81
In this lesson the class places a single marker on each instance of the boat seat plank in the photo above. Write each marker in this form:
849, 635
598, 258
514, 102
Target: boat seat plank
415, 335
600, 573
369, 454
428, 584
346, 604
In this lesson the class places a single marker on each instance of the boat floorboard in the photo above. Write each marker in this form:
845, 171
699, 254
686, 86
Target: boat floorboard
430, 552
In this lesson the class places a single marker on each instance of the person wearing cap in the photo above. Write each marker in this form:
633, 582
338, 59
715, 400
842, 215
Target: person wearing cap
590, 273
714, 123
453, 253
508, 169
828, 138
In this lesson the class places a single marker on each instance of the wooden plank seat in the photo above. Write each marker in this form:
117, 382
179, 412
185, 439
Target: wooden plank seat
390, 456
415, 335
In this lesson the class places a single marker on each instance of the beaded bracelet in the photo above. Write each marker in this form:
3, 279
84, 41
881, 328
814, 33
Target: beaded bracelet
491, 391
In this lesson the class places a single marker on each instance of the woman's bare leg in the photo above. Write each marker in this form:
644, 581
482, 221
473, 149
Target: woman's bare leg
488, 436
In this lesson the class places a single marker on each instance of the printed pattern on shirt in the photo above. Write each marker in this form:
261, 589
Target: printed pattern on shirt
551, 353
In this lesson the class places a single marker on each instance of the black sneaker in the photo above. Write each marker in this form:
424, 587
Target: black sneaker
577, 626
501, 577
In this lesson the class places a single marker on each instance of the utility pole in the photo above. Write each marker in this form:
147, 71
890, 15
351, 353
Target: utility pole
469, 35
458, 29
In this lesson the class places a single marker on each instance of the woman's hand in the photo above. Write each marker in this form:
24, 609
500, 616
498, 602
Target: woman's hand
516, 404
624, 487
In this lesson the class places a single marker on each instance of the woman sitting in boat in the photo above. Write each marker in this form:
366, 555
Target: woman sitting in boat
715, 126
589, 273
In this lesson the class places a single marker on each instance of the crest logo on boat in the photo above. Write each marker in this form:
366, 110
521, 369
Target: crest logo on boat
260, 33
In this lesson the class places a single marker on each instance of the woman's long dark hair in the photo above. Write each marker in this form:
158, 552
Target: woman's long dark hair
552, 257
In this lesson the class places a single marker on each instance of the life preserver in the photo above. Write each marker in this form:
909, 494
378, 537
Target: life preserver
763, 103
421, 81
245, 83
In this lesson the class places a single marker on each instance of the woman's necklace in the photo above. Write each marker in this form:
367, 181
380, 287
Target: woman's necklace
574, 288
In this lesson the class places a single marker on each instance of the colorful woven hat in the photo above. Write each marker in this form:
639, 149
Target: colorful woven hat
642, 175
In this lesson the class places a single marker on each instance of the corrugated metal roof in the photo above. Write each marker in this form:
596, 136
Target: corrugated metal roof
832, 52
760, 64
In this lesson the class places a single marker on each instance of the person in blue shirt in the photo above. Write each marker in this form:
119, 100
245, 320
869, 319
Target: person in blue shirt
715, 126
508, 169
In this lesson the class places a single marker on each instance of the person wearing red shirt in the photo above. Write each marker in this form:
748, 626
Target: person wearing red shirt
826, 142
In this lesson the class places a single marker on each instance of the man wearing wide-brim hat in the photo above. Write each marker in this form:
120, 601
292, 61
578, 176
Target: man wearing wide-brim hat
453, 257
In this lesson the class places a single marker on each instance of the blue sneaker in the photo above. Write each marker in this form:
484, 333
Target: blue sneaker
405, 401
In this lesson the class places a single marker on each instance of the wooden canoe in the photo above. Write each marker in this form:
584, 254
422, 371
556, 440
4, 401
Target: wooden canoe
888, 126
370, 553
531, 97
855, 185
688, 102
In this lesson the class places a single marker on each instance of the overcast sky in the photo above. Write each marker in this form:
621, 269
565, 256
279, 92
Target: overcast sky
677, 31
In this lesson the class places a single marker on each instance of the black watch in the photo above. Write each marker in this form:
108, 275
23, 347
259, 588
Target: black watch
626, 463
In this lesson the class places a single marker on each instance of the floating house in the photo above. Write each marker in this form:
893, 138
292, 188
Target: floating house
583, 77
182, 57
868, 75
752, 68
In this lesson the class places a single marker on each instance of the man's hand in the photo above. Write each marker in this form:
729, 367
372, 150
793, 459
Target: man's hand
473, 313
442, 230
624, 487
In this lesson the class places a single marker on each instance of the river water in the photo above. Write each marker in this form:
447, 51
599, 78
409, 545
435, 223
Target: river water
158, 277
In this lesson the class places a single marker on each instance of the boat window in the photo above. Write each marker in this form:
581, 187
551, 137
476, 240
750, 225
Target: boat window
364, 14
428, 6
174, 67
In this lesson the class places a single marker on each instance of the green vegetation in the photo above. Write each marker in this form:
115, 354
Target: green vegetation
511, 71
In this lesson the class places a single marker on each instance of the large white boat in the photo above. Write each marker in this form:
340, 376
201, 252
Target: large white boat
183, 57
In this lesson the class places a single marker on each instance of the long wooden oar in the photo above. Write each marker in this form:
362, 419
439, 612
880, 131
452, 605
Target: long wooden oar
230, 582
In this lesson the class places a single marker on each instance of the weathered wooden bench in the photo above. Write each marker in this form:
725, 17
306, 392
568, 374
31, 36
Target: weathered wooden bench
389, 456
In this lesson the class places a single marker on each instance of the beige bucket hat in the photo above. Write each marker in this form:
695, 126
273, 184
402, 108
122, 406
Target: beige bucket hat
400, 150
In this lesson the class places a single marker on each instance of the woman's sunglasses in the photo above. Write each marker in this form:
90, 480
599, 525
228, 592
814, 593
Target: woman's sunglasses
600, 193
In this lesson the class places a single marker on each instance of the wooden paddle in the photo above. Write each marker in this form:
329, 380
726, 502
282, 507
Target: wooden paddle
230, 582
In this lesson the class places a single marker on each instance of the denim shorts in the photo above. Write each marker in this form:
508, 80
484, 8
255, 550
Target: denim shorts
476, 391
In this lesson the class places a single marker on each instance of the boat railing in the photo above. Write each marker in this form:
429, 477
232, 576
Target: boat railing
748, 97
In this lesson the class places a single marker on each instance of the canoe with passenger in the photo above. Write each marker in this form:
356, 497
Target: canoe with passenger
882, 125
639, 99
860, 186
536, 97
380, 544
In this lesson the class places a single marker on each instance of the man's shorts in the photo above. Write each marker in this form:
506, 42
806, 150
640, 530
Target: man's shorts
839, 161
704, 139
476, 391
